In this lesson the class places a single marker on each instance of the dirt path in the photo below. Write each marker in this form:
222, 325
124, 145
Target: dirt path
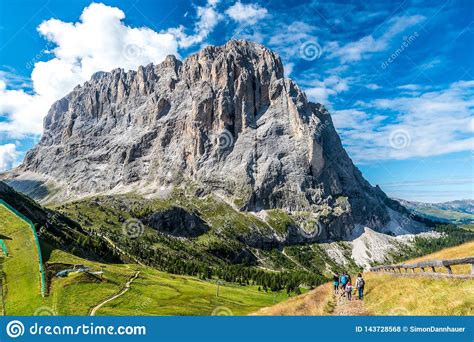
320, 301
118, 249
346, 307
121, 293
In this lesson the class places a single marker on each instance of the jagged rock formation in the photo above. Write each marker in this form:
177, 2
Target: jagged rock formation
224, 119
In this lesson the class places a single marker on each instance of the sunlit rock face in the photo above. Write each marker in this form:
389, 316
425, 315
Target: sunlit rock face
224, 120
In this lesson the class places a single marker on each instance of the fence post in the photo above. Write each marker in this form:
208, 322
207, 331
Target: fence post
430, 265
449, 269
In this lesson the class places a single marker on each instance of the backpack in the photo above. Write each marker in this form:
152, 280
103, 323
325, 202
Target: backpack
361, 282
343, 279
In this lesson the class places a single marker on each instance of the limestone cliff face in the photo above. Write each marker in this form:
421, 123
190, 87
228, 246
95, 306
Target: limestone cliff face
224, 119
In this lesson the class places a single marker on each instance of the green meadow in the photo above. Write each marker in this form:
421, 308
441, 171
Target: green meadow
151, 293
21, 288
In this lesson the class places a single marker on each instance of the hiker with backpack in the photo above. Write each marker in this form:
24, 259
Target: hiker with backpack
335, 282
343, 279
360, 283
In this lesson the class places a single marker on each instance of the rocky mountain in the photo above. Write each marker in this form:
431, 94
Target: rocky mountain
224, 122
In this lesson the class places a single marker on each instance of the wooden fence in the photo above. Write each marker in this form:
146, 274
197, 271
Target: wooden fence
430, 265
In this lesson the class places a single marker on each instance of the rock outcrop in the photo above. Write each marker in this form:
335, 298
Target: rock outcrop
177, 222
225, 120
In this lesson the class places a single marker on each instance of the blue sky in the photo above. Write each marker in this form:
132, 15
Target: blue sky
397, 76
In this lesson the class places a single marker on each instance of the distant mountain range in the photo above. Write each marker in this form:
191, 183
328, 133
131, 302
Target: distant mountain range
459, 211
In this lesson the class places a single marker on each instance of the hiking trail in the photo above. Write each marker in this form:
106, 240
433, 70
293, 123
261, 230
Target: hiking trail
344, 307
122, 292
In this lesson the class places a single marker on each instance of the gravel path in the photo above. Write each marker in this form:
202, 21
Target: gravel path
121, 293
344, 307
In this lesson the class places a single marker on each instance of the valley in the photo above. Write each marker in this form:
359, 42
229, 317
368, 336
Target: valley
207, 284
152, 292
457, 212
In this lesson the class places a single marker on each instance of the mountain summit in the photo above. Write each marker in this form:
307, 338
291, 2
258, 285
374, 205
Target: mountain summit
224, 120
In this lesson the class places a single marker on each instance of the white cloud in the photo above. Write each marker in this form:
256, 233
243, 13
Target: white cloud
288, 67
8, 156
409, 87
100, 41
431, 123
247, 14
320, 91
13, 80
320, 94
355, 51
432, 63
288, 40
208, 18
356, 119
373, 86
24, 112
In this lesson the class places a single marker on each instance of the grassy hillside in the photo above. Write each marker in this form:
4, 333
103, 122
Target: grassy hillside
227, 249
317, 302
153, 292
158, 293
463, 250
21, 277
386, 294
391, 295
88, 232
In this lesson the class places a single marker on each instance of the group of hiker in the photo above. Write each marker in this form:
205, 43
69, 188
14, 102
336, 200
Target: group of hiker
343, 283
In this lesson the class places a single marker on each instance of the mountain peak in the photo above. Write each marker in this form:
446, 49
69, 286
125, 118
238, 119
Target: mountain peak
241, 47
225, 119
220, 64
